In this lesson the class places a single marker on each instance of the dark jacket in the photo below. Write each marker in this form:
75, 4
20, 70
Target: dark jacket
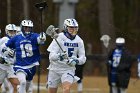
123, 69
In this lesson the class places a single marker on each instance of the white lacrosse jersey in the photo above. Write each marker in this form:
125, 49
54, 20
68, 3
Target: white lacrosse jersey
9, 59
74, 49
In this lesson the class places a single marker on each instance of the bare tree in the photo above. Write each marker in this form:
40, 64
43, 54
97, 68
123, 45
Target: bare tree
8, 11
26, 8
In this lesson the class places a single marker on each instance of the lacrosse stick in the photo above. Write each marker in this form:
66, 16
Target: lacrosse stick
105, 39
40, 6
51, 31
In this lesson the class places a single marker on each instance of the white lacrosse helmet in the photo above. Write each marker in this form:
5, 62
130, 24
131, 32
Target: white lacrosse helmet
10, 30
70, 23
26, 24
120, 40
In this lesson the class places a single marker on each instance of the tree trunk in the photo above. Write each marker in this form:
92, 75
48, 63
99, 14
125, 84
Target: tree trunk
8, 11
106, 21
26, 9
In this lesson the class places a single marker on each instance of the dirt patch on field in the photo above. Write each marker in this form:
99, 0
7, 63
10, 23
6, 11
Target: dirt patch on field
93, 85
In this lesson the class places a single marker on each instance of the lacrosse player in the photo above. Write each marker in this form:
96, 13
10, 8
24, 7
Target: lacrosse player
65, 52
7, 61
26, 46
119, 63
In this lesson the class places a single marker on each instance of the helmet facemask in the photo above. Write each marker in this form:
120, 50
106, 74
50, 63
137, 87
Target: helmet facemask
26, 30
11, 33
72, 30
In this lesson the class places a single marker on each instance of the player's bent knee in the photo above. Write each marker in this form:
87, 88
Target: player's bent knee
66, 88
14, 82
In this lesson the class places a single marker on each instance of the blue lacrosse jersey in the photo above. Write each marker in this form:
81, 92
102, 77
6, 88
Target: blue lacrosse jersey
26, 48
116, 60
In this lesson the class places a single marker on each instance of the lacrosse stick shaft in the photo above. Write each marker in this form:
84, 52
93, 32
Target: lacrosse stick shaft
41, 24
61, 48
51, 32
40, 7
59, 45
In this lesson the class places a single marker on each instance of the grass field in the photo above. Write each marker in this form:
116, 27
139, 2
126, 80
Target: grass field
91, 85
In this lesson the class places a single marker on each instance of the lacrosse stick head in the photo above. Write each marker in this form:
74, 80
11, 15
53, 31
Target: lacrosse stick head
41, 6
51, 31
105, 39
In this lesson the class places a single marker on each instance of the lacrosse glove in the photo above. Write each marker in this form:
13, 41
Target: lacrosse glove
73, 61
42, 36
5, 61
109, 62
62, 56
8, 52
2, 61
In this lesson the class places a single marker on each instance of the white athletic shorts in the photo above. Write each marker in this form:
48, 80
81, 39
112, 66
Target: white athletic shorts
9, 73
55, 77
